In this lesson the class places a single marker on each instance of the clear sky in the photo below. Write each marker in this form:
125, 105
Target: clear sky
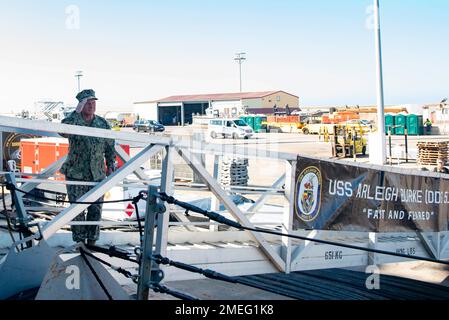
321, 50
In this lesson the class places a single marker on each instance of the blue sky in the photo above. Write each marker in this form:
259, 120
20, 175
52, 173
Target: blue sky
138, 50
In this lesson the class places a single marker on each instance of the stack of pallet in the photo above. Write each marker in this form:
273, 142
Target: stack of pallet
430, 151
234, 172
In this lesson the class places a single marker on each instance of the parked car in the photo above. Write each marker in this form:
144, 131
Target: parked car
136, 123
233, 128
148, 126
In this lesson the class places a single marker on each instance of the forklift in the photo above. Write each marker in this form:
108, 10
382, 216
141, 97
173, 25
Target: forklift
348, 141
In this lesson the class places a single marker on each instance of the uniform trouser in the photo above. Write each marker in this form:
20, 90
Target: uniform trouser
91, 232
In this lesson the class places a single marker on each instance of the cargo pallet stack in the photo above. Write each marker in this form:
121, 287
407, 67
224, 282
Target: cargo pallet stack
430, 151
234, 172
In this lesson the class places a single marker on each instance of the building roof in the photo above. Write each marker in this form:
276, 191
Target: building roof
216, 97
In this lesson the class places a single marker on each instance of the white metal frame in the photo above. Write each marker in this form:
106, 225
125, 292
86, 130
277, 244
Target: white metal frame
286, 254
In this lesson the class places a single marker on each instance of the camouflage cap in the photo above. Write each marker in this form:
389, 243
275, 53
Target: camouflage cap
86, 94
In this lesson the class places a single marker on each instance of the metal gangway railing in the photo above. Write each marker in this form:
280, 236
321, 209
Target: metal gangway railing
309, 250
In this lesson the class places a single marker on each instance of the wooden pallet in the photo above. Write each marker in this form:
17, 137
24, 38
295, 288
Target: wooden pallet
429, 160
234, 177
432, 155
425, 163
443, 145
429, 143
236, 171
436, 155
433, 149
430, 151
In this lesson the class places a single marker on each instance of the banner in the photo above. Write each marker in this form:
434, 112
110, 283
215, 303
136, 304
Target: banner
345, 197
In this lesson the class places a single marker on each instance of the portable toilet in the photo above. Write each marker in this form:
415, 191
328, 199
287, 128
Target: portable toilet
415, 125
389, 123
250, 121
244, 119
258, 127
400, 122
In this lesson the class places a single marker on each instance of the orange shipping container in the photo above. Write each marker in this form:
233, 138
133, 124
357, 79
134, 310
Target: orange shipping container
38, 154
271, 119
283, 119
339, 117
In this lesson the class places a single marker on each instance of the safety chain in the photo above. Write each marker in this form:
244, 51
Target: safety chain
206, 272
12, 187
135, 200
159, 288
140, 196
120, 270
112, 251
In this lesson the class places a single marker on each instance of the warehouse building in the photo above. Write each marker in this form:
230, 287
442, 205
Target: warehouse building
179, 110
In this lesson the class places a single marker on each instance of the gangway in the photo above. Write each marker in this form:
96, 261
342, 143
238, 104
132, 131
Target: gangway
230, 251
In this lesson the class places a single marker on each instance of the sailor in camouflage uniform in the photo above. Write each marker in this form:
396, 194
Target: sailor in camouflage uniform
86, 162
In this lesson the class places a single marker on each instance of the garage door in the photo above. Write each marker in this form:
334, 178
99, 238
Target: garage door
191, 109
170, 116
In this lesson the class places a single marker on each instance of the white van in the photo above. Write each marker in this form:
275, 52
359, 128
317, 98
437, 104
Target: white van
233, 128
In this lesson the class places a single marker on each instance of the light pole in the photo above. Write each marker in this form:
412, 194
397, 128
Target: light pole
240, 57
78, 75
380, 88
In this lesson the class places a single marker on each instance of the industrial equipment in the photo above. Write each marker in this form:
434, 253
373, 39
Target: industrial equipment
348, 141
